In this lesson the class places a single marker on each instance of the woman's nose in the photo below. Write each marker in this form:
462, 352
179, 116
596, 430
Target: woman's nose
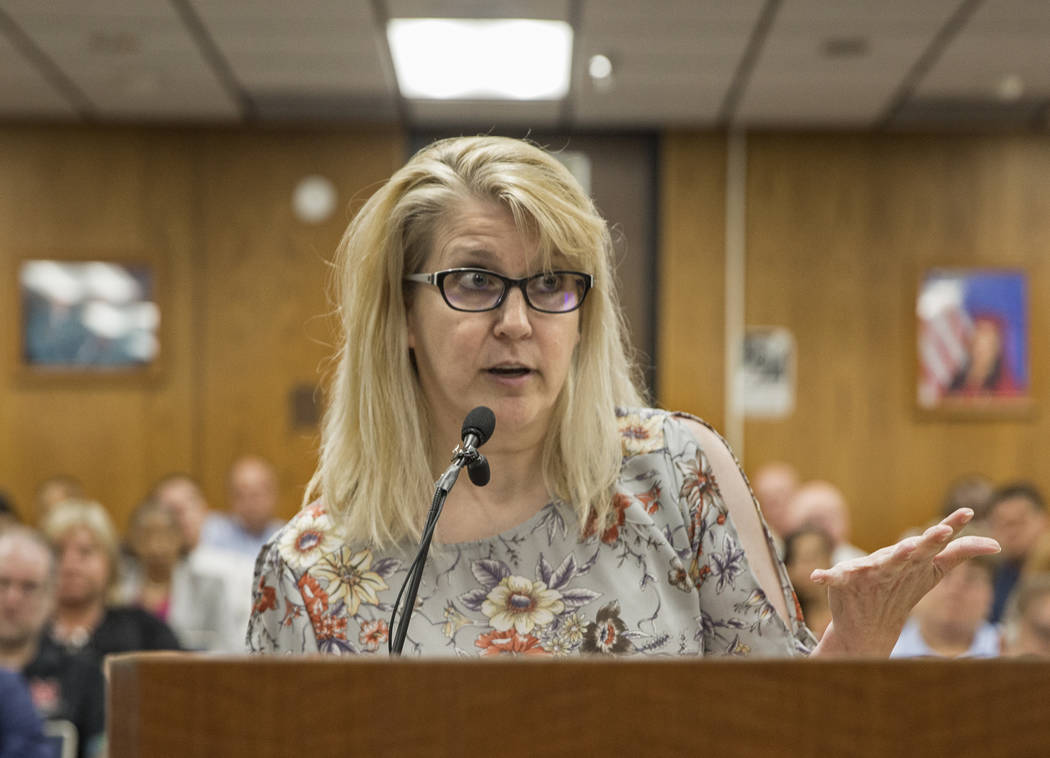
513, 315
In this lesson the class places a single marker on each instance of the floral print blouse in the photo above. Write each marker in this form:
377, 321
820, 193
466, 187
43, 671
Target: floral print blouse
668, 577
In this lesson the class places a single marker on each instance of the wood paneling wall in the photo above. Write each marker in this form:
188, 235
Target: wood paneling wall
839, 229
243, 285
691, 300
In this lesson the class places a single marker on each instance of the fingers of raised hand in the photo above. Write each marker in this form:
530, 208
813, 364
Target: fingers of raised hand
959, 518
963, 548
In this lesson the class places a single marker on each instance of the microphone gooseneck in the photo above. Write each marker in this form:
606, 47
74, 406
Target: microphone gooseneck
475, 432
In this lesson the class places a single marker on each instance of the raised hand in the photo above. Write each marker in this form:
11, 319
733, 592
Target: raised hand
872, 596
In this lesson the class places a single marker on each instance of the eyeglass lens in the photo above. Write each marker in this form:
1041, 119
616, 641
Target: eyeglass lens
476, 290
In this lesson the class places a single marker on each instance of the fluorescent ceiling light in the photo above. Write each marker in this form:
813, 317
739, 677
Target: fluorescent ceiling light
481, 59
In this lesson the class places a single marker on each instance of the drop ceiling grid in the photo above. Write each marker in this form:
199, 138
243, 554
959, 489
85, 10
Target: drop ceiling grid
1002, 37
322, 46
130, 59
794, 83
673, 60
23, 89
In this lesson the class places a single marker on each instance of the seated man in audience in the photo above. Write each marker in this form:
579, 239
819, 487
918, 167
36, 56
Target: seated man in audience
774, 485
950, 621
183, 496
822, 505
252, 491
973, 491
62, 685
1017, 519
1027, 629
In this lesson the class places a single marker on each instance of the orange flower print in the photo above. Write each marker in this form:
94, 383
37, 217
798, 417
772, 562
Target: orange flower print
267, 598
620, 503
612, 533
315, 599
650, 499
330, 627
373, 634
509, 643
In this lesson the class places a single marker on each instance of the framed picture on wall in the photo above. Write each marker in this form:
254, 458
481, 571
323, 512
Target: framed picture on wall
973, 342
87, 317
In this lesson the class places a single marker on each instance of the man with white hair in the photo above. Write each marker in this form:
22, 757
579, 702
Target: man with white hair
822, 505
62, 685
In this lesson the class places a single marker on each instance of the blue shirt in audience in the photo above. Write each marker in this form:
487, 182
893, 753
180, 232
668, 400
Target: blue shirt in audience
21, 734
227, 533
911, 644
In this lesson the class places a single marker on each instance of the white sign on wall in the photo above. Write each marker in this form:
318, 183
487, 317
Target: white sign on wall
764, 385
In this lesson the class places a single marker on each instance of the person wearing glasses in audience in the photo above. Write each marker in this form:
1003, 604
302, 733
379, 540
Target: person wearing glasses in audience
481, 274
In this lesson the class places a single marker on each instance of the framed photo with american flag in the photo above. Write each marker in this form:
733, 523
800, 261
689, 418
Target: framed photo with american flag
973, 341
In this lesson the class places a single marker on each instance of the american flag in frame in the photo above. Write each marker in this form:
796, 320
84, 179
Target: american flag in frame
972, 338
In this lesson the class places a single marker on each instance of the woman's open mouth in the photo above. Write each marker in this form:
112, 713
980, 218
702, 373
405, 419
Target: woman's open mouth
509, 372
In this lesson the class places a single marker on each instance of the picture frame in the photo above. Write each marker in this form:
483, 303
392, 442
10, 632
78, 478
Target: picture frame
87, 317
972, 343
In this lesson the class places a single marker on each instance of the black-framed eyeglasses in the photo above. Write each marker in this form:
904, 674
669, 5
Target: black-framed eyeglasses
477, 289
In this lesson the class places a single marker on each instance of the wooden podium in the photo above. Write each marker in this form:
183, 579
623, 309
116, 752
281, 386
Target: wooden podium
164, 705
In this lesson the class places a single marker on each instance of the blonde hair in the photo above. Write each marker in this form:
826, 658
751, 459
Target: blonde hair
86, 514
374, 470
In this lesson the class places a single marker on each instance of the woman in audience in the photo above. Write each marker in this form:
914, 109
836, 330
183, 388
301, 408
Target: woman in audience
806, 550
163, 582
1027, 628
85, 543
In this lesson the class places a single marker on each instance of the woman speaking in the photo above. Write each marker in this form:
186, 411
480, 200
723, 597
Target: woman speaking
481, 275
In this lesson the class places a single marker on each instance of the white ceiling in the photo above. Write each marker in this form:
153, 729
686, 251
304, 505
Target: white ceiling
707, 63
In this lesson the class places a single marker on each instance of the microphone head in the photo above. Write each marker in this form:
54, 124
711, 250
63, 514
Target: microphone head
479, 472
480, 422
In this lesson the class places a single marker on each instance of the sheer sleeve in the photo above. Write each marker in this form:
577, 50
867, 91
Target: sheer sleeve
737, 618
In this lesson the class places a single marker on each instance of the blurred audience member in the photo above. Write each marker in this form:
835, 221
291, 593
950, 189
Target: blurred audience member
21, 735
972, 491
88, 556
8, 512
950, 622
251, 488
163, 581
822, 505
1038, 559
774, 485
806, 550
1017, 519
182, 494
63, 685
1027, 628
53, 491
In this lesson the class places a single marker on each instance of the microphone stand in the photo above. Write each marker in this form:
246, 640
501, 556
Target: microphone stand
465, 455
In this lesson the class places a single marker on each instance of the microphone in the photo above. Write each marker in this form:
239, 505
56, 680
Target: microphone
478, 427
475, 432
